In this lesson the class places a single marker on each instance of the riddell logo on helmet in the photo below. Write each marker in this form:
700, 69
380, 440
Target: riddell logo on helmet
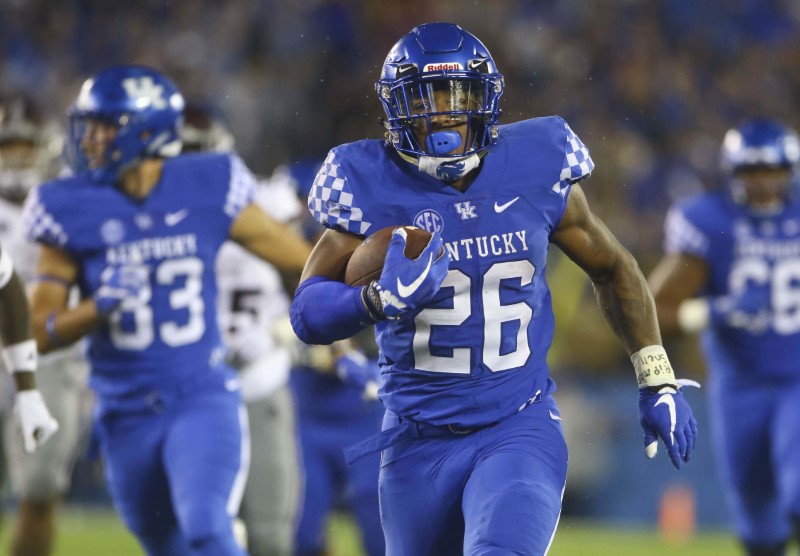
447, 66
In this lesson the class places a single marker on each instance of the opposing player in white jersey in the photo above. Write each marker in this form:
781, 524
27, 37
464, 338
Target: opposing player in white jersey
30, 153
251, 301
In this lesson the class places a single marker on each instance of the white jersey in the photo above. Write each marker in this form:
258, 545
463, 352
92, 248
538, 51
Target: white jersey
252, 299
12, 238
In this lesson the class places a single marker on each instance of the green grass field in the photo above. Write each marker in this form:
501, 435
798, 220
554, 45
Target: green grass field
100, 533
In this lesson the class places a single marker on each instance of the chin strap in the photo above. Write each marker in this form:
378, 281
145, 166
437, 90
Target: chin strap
447, 169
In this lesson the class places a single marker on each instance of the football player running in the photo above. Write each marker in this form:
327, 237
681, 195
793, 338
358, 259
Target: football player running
473, 455
30, 153
732, 271
138, 229
337, 407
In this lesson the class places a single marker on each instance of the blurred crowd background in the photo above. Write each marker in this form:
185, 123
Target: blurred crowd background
649, 85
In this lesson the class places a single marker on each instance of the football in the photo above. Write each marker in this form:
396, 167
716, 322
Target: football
366, 264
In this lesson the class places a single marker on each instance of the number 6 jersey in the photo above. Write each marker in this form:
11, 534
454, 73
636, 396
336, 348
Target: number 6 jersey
743, 249
477, 352
169, 334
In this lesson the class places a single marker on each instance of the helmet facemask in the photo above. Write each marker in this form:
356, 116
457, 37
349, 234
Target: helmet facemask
447, 114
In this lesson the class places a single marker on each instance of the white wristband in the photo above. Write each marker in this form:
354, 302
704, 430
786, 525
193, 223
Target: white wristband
652, 367
6, 268
693, 315
20, 357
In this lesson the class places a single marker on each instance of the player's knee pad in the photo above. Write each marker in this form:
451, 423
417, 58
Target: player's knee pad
46, 486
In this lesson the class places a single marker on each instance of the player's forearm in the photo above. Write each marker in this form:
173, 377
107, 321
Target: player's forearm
15, 314
289, 255
278, 244
54, 329
627, 304
324, 310
16, 333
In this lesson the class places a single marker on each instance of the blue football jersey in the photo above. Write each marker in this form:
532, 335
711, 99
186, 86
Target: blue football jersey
739, 247
170, 333
478, 352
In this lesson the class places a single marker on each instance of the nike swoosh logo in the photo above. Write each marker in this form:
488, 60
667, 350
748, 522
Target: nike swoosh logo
669, 401
172, 218
500, 208
553, 416
405, 291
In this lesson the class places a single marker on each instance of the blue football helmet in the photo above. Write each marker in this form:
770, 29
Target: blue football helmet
147, 109
760, 143
440, 71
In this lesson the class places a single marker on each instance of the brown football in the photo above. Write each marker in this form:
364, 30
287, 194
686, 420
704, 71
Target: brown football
366, 264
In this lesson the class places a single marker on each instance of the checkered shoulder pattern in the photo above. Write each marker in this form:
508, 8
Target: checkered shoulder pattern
242, 187
577, 162
331, 200
39, 224
682, 236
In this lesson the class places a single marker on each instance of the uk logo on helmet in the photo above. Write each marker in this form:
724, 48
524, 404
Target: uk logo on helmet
145, 89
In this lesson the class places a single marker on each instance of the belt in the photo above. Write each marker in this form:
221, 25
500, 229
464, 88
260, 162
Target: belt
156, 401
408, 430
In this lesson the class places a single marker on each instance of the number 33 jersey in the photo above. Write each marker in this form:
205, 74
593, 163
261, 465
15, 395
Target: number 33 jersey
745, 250
477, 352
169, 334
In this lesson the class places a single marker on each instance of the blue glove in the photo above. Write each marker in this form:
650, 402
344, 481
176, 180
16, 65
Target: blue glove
118, 283
664, 413
748, 309
355, 368
407, 284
